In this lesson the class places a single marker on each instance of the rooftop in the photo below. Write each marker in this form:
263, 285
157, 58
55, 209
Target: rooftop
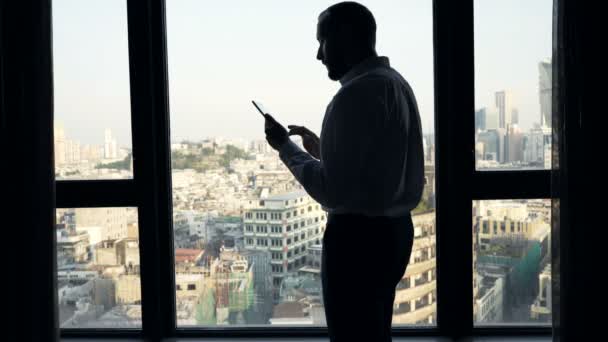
286, 196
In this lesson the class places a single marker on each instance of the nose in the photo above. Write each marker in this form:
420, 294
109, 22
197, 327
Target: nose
319, 54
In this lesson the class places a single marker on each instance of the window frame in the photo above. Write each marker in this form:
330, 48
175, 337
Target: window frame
458, 183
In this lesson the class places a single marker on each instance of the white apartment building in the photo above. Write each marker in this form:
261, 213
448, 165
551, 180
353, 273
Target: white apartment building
286, 225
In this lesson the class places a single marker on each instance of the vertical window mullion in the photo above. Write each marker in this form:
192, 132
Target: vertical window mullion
150, 124
454, 129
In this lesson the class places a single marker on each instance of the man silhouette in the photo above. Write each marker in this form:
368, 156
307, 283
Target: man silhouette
366, 171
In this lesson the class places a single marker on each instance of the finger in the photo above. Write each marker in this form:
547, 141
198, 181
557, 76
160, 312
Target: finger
298, 130
269, 118
294, 131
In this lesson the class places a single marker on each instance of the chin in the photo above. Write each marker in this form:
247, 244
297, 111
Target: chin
332, 75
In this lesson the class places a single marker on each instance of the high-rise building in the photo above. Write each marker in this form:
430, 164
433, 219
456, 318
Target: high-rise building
515, 116
493, 144
286, 225
490, 298
59, 144
415, 294
545, 87
72, 151
491, 118
113, 220
540, 310
259, 146
514, 144
480, 120
110, 145
504, 103
537, 147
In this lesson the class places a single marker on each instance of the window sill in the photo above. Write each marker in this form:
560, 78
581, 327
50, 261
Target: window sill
319, 339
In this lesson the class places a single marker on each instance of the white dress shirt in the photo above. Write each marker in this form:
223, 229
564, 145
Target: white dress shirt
372, 159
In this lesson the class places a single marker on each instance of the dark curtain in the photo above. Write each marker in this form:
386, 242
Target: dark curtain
576, 303
27, 172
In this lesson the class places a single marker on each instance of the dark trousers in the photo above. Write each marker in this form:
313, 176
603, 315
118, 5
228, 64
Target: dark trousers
363, 260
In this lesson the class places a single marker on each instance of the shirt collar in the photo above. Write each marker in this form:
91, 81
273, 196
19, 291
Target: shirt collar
364, 66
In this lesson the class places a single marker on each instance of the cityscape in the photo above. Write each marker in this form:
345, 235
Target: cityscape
500, 142
248, 238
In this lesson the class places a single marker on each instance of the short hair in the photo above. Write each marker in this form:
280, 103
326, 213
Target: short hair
356, 17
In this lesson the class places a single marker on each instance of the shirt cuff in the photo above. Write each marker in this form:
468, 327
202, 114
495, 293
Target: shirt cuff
288, 149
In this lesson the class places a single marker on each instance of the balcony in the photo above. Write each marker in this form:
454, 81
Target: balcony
414, 316
406, 295
276, 248
423, 242
420, 267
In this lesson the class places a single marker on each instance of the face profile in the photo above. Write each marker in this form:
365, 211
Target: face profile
346, 33
330, 53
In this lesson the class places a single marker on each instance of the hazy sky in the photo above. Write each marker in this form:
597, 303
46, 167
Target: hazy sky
222, 54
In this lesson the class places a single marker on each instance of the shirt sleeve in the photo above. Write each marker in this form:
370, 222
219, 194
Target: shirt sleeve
332, 180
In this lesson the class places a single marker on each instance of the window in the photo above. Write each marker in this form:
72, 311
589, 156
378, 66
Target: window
511, 268
208, 166
91, 90
513, 46
98, 268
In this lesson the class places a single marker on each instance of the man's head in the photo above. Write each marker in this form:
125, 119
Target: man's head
347, 34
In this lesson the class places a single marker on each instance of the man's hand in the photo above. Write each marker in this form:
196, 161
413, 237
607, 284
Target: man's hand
276, 134
310, 140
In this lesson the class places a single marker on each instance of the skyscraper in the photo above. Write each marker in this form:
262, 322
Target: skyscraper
491, 121
480, 119
505, 108
110, 150
513, 144
59, 144
544, 91
515, 116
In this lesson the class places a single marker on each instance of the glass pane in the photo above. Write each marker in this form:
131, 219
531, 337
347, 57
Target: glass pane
247, 236
98, 268
513, 47
91, 75
512, 262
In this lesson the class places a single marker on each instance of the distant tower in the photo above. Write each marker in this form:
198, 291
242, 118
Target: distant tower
515, 116
544, 91
480, 119
505, 108
109, 147
59, 144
